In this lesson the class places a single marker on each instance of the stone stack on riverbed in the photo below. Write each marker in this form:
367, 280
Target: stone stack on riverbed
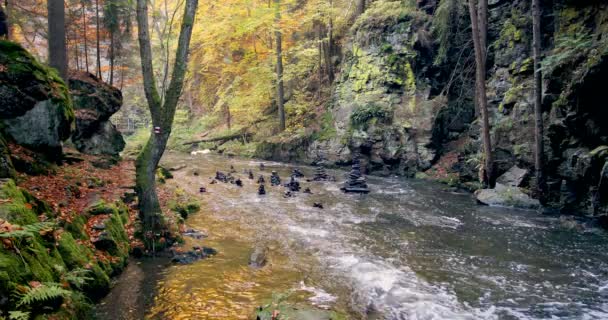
356, 182
321, 174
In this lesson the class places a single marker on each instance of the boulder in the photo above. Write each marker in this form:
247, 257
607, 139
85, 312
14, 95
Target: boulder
506, 196
35, 107
514, 177
104, 140
94, 103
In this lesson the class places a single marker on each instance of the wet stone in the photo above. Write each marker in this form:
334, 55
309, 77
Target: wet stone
356, 182
250, 175
220, 176
238, 182
261, 189
321, 174
307, 190
297, 173
317, 205
275, 180
293, 185
197, 253
261, 179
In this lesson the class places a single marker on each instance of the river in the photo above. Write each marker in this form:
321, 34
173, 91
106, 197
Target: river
408, 250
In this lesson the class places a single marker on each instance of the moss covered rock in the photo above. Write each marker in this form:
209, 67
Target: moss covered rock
35, 105
94, 103
59, 260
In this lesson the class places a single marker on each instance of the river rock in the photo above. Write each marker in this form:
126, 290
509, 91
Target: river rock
259, 257
506, 196
94, 103
514, 177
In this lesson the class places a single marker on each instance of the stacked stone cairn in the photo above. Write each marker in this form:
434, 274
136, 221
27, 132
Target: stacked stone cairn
356, 182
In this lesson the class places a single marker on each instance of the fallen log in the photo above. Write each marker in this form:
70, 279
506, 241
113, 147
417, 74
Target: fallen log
222, 139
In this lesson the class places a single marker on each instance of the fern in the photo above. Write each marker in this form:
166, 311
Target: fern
45, 292
567, 49
77, 277
18, 315
27, 231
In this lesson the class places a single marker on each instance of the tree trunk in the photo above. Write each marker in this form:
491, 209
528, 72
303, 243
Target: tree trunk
8, 16
330, 45
279, 50
97, 37
483, 28
58, 57
538, 111
486, 172
86, 45
162, 114
112, 58
360, 7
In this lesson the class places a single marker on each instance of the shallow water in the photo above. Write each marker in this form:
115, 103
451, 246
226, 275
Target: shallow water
408, 250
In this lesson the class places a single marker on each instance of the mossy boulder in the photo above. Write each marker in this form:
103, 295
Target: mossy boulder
94, 102
7, 170
35, 105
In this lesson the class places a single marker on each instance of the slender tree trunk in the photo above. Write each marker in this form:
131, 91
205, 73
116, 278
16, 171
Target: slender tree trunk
84, 39
320, 58
360, 7
279, 50
538, 111
9, 25
58, 57
486, 172
112, 57
162, 114
99, 75
330, 43
483, 28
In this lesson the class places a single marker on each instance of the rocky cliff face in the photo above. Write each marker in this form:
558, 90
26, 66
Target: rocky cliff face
407, 112
388, 102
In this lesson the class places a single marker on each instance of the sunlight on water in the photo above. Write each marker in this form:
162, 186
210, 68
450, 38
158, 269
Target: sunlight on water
408, 250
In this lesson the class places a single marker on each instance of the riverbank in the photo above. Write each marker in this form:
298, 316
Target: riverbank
66, 232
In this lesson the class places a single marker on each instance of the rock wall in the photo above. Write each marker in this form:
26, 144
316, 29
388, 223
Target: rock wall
388, 102
398, 106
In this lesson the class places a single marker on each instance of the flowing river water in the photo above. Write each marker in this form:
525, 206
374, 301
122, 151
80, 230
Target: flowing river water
408, 250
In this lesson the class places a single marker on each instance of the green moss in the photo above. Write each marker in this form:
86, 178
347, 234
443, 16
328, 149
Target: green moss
185, 209
76, 227
17, 209
363, 115
74, 254
101, 207
21, 66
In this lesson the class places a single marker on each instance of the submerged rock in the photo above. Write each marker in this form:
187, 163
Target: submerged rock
259, 257
197, 253
506, 196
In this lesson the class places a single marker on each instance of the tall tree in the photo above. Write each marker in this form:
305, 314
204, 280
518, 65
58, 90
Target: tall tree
97, 33
162, 113
279, 50
479, 28
538, 112
58, 57
85, 35
360, 7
